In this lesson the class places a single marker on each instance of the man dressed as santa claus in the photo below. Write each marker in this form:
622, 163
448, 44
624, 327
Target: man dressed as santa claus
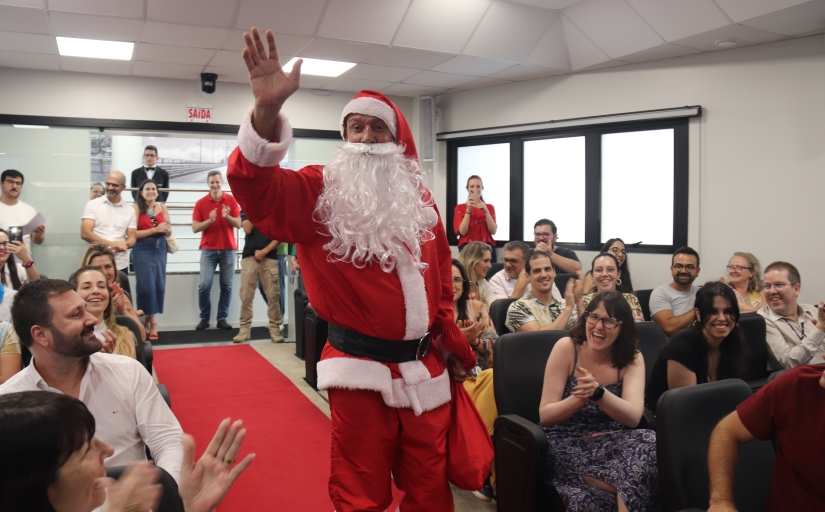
377, 267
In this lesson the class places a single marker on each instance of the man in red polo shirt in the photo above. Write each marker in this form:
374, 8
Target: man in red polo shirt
216, 216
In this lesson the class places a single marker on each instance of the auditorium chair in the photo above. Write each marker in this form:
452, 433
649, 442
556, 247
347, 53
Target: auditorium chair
495, 269
498, 314
686, 419
170, 500
651, 338
315, 335
300, 306
123, 280
756, 349
522, 483
561, 281
644, 301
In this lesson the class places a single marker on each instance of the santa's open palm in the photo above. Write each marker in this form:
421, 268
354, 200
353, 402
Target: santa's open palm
270, 85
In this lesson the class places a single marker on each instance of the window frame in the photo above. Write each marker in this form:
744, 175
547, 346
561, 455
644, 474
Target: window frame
593, 181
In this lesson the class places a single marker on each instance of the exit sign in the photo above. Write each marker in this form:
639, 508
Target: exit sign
199, 113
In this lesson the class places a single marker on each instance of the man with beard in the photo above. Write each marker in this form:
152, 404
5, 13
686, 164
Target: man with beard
377, 266
51, 320
671, 305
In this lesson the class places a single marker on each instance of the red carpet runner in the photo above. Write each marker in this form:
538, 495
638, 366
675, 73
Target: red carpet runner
290, 436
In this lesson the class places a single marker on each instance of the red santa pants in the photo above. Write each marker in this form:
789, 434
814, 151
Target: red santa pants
370, 440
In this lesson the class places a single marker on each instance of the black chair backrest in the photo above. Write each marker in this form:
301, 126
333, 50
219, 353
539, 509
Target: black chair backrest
498, 314
300, 306
519, 375
685, 420
561, 281
495, 269
651, 340
644, 300
170, 500
123, 279
140, 352
756, 346
777, 374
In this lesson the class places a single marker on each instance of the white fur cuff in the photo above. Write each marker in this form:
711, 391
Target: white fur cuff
371, 107
260, 151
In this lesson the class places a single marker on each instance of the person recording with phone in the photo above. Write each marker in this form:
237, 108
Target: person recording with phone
475, 220
14, 212
9, 272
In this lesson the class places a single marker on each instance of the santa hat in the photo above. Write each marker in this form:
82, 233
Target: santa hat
372, 103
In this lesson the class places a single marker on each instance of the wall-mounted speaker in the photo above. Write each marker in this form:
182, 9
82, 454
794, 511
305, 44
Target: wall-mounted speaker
427, 151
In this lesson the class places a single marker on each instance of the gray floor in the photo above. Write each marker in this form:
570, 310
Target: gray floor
282, 357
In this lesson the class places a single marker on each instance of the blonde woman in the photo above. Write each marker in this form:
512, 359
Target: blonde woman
745, 277
92, 285
476, 259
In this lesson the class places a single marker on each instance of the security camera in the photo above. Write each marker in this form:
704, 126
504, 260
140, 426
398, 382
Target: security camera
208, 81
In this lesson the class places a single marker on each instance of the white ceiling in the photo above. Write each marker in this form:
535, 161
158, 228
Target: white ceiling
402, 47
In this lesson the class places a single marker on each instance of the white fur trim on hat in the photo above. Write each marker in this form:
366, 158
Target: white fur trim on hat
371, 107
260, 151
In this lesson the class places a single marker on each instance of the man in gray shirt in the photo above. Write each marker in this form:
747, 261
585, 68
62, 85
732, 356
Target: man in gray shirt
671, 305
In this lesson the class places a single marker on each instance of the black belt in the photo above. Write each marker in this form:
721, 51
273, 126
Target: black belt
385, 351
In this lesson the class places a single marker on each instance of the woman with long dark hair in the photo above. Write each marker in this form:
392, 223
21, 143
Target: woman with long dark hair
592, 398
473, 318
9, 273
711, 349
149, 253
617, 248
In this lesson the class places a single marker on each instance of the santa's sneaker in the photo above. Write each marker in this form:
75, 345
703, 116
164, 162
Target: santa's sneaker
243, 335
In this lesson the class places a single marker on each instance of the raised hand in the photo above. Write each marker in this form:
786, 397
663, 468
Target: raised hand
203, 485
586, 384
578, 285
270, 85
570, 293
136, 490
19, 249
213, 215
109, 341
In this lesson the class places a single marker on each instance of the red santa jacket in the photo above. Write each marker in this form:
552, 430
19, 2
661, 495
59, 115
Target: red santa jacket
402, 304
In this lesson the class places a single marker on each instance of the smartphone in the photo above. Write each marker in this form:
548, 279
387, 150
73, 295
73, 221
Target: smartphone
16, 234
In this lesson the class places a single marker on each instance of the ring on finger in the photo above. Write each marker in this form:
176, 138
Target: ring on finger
228, 461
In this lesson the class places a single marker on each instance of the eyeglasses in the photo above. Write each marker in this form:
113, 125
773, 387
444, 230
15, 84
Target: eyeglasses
739, 268
679, 267
4, 244
778, 286
458, 280
511, 261
542, 235
608, 323
154, 220
608, 270
616, 250
14, 182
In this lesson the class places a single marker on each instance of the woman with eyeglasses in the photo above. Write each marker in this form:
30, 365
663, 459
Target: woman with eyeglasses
710, 350
9, 273
616, 247
475, 220
745, 278
607, 277
149, 253
592, 398
476, 259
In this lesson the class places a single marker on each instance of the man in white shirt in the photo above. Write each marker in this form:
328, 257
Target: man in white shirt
513, 282
14, 212
51, 320
108, 220
795, 332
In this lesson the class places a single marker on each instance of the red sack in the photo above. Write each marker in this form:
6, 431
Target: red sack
469, 448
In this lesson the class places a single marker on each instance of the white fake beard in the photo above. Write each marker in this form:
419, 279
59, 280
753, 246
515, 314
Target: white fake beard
372, 206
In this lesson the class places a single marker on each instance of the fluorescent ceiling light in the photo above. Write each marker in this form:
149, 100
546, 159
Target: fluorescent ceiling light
42, 127
320, 67
94, 49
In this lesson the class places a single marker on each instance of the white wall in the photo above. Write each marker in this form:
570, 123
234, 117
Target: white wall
756, 154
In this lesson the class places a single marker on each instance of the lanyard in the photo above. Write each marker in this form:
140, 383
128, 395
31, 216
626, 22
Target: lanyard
793, 326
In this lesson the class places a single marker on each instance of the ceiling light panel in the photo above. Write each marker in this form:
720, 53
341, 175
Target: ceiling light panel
320, 67
94, 49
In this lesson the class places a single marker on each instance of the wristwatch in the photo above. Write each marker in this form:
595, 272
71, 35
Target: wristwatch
598, 394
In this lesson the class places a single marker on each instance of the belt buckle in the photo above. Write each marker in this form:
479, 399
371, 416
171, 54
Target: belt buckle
423, 346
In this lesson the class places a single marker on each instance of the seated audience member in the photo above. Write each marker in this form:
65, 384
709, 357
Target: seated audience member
52, 461
795, 332
473, 319
475, 258
711, 350
91, 284
592, 398
671, 305
512, 282
99, 255
788, 410
545, 236
51, 320
10, 358
745, 277
97, 190
607, 277
539, 310
10, 275
616, 247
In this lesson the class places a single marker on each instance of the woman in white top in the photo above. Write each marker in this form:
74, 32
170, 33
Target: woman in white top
476, 258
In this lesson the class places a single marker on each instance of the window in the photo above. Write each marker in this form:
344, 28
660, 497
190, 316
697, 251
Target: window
491, 162
622, 179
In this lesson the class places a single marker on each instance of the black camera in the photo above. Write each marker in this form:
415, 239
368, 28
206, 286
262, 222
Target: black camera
208, 81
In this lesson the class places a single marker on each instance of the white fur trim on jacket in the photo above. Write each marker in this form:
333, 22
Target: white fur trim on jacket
260, 151
415, 299
371, 107
416, 390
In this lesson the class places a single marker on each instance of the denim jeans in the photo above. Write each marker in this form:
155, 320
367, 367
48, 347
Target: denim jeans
209, 260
